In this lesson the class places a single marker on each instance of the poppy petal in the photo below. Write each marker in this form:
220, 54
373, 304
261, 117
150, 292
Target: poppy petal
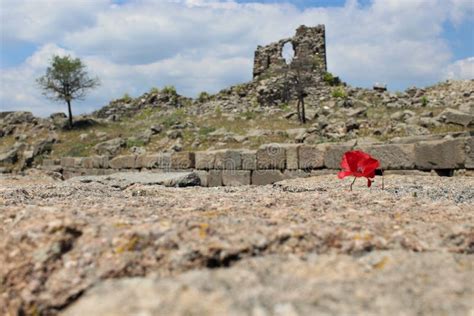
369, 182
343, 174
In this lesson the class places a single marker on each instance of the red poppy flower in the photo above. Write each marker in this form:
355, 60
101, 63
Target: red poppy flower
358, 164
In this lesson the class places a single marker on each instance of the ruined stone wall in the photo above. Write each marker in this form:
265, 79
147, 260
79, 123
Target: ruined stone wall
309, 44
276, 162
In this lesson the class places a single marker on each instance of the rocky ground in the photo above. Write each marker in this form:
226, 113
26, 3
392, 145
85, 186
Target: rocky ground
298, 247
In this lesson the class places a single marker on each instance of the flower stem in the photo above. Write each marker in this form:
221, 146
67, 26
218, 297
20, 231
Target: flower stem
353, 182
382, 180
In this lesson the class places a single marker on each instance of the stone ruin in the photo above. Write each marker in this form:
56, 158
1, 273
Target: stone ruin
309, 44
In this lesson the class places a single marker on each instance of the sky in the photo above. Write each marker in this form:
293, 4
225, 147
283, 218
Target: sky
207, 45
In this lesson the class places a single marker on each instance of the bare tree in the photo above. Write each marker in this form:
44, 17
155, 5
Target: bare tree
297, 78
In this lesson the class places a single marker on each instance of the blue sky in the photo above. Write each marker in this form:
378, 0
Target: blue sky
196, 45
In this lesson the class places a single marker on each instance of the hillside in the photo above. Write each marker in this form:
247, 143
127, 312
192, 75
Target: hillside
233, 118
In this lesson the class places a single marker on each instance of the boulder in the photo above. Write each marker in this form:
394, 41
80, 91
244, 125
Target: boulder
18, 117
110, 147
9, 157
456, 117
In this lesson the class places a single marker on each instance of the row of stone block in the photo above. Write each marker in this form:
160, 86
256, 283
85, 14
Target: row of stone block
451, 153
216, 178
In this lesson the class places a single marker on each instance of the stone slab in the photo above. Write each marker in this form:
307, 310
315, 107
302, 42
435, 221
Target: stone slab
125, 179
123, 162
392, 156
263, 177
440, 154
235, 177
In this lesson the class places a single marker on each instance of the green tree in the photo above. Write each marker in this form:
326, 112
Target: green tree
66, 79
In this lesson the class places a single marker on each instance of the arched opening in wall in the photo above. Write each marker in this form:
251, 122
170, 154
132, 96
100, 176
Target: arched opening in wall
288, 53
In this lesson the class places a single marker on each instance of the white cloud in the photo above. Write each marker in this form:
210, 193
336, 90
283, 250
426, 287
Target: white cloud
206, 45
461, 69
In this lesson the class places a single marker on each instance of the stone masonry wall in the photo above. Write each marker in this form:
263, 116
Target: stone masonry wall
276, 162
309, 43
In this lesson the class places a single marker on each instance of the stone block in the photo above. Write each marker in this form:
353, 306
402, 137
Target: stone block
214, 178
469, 153
292, 154
440, 154
292, 174
95, 162
155, 161
203, 177
249, 159
205, 160
333, 155
123, 162
228, 160
392, 156
48, 162
235, 177
183, 160
271, 156
263, 177
68, 162
311, 157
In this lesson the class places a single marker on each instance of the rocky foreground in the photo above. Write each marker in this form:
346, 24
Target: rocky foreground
298, 247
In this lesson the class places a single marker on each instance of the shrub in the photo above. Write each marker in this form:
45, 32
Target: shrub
174, 118
206, 130
424, 101
331, 80
203, 96
169, 90
154, 90
218, 110
126, 98
249, 115
131, 142
339, 93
